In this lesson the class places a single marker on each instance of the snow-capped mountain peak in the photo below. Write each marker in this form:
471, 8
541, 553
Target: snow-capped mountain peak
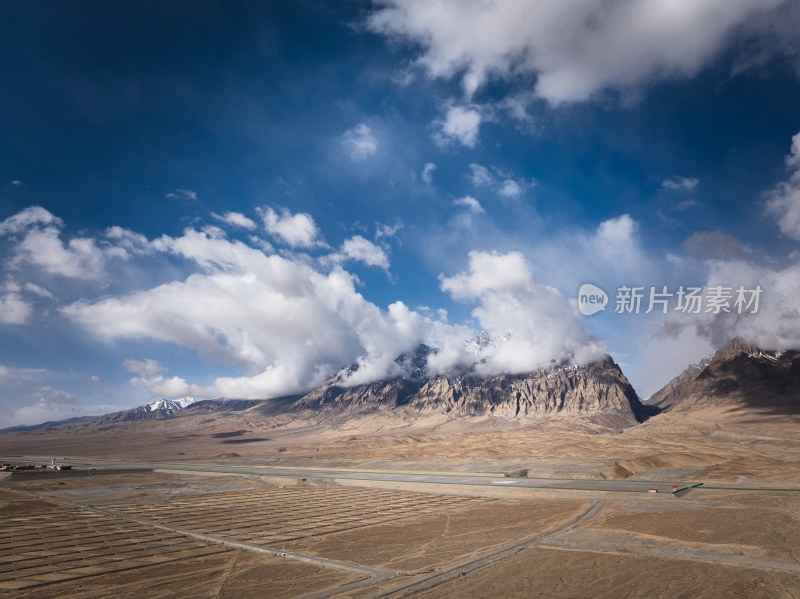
169, 405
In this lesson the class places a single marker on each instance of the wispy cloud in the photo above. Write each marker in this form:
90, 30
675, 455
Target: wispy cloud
236, 219
680, 183
470, 203
359, 142
182, 194
427, 172
783, 202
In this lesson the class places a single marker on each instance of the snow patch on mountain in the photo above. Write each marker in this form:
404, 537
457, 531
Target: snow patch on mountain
169, 406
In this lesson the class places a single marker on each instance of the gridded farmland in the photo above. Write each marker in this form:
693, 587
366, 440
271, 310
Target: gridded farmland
277, 516
42, 542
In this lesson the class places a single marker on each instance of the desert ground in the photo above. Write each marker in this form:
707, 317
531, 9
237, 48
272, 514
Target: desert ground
232, 528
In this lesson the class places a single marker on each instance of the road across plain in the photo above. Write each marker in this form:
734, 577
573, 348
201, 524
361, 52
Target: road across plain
624, 486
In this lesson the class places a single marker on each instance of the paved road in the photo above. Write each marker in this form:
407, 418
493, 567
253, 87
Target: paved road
629, 486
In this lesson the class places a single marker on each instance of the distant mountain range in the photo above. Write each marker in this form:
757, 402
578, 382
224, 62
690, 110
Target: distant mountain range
738, 375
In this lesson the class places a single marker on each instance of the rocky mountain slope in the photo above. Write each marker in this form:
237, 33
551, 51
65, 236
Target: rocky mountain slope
671, 392
597, 388
739, 376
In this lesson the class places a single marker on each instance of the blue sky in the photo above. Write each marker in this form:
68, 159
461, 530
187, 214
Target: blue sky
238, 199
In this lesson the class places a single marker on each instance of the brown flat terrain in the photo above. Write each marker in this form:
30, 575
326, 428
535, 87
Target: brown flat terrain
159, 534
556, 573
179, 535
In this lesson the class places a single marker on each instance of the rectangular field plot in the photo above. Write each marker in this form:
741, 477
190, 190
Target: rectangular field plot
42, 542
276, 516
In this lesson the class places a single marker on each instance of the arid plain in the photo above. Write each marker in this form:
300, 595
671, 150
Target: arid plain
167, 532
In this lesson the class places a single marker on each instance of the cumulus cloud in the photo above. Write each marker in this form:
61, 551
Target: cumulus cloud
775, 324
286, 324
78, 258
427, 172
470, 204
617, 245
38, 243
534, 324
362, 250
783, 202
182, 194
236, 219
359, 142
22, 221
460, 125
574, 50
680, 183
295, 230
162, 386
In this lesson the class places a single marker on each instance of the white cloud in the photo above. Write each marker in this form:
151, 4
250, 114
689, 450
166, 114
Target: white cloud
16, 183
38, 243
14, 310
680, 183
362, 250
616, 244
510, 189
427, 172
237, 219
79, 258
460, 125
33, 215
152, 377
574, 49
783, 202
285, 324
533, 324
359, 142
480, 175
470, 203
40, 291
182, 194
296, 230
775, 325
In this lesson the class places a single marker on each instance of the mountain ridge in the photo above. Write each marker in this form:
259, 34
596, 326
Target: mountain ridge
738, 375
